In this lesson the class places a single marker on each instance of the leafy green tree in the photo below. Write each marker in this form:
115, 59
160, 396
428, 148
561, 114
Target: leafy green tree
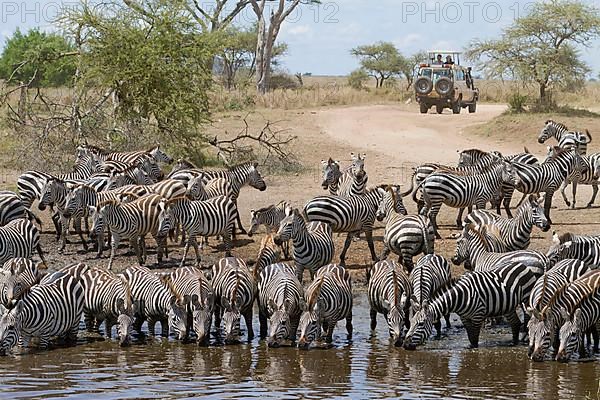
411, 66
38, 58
541, 47
381, 60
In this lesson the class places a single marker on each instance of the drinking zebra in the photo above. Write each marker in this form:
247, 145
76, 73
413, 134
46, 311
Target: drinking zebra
583, 318
475, 297
132, 221
17, 276
313, 242
564, 137
462, 191
430, 275
157, 300
406, 236
388, 291
108, 300
235, 290
279, 297
212, 217
191, 282
474, 250
515, 233
328, 300
569, 246
47, 310
541, 327
19, 238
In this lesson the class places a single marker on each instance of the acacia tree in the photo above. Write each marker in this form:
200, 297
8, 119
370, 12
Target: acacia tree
381, 60
410, 66
541, 46
267, 32
217, 16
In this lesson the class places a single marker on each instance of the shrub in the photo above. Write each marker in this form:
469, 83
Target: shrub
517, 102
283, 81
357, 79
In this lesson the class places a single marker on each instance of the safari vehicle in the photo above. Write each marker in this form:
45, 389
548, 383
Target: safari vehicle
442, 82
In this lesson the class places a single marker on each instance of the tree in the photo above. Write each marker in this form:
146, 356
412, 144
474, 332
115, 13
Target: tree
541, 46
411, 66
381, 60
39, 58
267, 35
217, 16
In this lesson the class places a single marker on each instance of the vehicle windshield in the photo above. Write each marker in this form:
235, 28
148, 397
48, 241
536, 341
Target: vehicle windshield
435, 74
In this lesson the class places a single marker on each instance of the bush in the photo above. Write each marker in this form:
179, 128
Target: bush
358, 79
517, 102
283, 81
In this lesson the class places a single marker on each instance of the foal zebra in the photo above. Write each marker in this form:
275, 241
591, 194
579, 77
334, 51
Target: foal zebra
475, 297
157, 300
235, 290
515, 233
17, 276
279, 297
541, 328
564, 137
328, 300
406, 236
313, 242
388, 292
19, 238
430, 275
47, 310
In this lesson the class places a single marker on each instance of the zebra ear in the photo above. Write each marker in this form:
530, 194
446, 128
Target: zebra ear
564, 313
288, 211
555, 238
576, 316
186, 299
567, 244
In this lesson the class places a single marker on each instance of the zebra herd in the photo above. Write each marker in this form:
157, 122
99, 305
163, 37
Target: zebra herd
129, 196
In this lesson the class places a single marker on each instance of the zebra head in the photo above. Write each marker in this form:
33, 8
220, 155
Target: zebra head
310, 322
279, 323
358, 164
231, 318
539, 329
538, 216
48, 194
202, 311
178, 318
254, 178
558, 251
331, 173
125, 320
196, 189
10, 326
391, 200
421, 325
462, 253
395, 318
255, 222
570, 335
151, 168
547, 132
160, 156
97, 215
288, 226
13, 280
166, 218
73, 202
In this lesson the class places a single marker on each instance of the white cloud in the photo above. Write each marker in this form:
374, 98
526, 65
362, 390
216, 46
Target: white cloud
295, 30
409, 40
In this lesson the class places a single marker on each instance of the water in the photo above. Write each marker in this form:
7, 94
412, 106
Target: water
366, 367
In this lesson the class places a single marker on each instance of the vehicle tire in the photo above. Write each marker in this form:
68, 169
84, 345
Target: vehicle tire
424, 108
444, 86
423, 85
472, 108
439, 108
456, 107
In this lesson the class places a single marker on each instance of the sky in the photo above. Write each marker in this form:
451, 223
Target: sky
320, 37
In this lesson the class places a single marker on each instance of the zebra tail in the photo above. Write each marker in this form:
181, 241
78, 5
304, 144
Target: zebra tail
32, 217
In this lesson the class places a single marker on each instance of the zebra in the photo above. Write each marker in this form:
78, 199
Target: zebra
353, 182
271, 217
269, 253
515, 233
328, 300
235, 290
279, 296
584, 317
17, 276
388, 291
564, 137
353, 215
19, 238
475, 297
238, 176
47, 310
180, 165
12, 207
191, 281
430, 275
157, 300
472, 249
212, 217
108, 299
405, 235
540, 328
132, 175
567, 246
313, 242
460, 191
127, 157
331, 176
133, 221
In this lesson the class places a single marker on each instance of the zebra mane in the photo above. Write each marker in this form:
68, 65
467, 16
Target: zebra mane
243, 165
266, 208
559, 151
544, 289
127, 289
471, 228
167, 280
315, 293
566, 237
235, 289
392, 192
395, 282
475, 152
554, 298
168, 202
109, 202
557, 124
589, 290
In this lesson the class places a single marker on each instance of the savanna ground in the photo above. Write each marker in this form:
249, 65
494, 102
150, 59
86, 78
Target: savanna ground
395, 138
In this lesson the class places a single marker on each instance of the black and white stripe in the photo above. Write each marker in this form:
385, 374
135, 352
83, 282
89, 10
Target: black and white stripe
388, 291
130, 157
328, 300
12, 207
569, 246
17, 276
279, 297
235, 290
271, 217
19, 238
268, 253
564, 136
